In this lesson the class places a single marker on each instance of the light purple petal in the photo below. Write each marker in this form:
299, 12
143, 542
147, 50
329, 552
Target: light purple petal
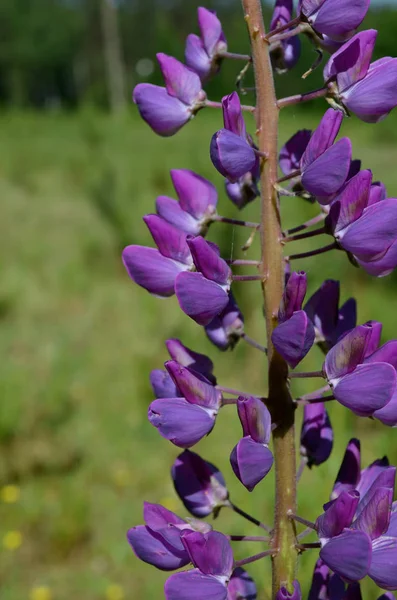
151, 270
208, 261
210, 28
372, 98
162, 384
181, 82
157, 517
348, 554
255, 419
233, 119
322, 138
180, 422
211, 552
200, 298
386, 353
348, 352
170, 210
294, 338
349, 205
388, 414
293, 296
197, 195
284, 594
165, 114
194, 387
380, 267
231, 155
196, 56
226, 329
377, 193
170, 241
250, 462
154, 550
374, 232
241, 586
326, 175
193, 585
339, 18
367, 389
383, 569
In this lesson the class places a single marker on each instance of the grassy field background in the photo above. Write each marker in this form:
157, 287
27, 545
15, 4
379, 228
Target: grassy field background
78, 340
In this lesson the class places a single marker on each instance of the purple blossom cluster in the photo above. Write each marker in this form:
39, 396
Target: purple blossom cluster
356, 532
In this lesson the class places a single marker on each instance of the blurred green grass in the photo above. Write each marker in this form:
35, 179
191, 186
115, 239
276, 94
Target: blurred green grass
78, 340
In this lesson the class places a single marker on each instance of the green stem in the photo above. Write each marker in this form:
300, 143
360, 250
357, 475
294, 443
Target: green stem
280, 403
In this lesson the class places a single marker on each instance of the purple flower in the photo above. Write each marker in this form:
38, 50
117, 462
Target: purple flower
369, 90
156, 270
324, 164
242, 586
294, 336
212, 557
330, 321
226, 329
187, 419
357, 532
291, 153
337, 19
199, 484
197, 202
325, 585
167, 109
204, 54
251, 458
162, 383
367, 231
244, 190
203, 295
231, 151
362, 379
284, 594
284, 54
316, 435
388, 354
158, 542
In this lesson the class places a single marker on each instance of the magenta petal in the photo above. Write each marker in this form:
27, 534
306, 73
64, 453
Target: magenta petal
188, 358
193, 585
180, 422
170, 210
170, 241
294, 338
348, 554
211, 552
231, 155
383, 569
250, 462
375, 517
154, 550
200, 298
323, 137
157, 517
165, 114
151, 270
284, 594
194, 387
180, 81
197, 195
377, 193
339, 18
351, 62
326, 175
196, 56
208, 261
210, 28
367, 389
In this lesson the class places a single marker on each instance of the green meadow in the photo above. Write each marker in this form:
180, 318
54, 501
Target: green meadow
78, 340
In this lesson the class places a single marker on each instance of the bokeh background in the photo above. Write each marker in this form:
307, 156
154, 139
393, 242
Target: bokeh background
78, 169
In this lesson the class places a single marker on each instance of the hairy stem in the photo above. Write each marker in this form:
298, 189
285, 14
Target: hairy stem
299, 98
280, 402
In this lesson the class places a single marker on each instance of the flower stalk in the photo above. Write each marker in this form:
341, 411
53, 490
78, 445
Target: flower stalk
280, 401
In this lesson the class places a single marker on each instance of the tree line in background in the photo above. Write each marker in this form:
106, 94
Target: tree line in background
65, 53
